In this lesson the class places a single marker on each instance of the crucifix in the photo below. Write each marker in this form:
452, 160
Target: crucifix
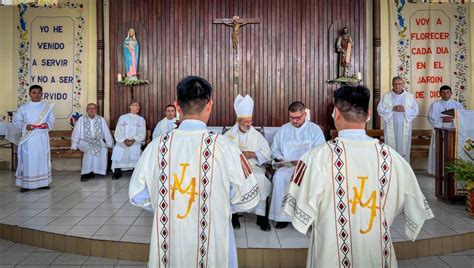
236, 22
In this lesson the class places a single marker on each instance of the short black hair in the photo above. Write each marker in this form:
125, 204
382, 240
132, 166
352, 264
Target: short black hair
296, 106
353, 102
170, 105
397, 78
445, 87
36, 87
193, 93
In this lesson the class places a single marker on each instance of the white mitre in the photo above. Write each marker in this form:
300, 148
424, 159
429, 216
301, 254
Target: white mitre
243, 106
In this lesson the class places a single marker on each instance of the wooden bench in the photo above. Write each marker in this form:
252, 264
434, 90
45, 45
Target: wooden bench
420, 140
60, 145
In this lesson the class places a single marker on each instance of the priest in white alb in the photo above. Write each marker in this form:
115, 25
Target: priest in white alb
92, 136
192, 179
130, 134
168, 123
34, 118
347, 192
398, 109
257, 151
291, 141
439, 120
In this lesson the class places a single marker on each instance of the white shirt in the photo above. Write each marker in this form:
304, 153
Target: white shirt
290, 142
164, 126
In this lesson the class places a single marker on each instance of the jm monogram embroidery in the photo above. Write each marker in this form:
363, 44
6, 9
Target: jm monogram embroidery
189, 190
371, 203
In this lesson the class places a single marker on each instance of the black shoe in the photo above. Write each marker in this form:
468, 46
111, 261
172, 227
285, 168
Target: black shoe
84, 177
24, 190
91, 175
281, 225
235, 221
44, 188
264, 224
117, 174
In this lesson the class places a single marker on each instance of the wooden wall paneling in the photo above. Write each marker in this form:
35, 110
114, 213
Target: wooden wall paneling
288, 56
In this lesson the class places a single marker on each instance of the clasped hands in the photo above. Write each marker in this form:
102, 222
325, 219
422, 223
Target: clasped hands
129, 142
249, 154
399, 108
447, 119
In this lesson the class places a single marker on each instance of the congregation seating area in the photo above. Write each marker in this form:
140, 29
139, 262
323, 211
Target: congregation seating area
60, 144
60, 141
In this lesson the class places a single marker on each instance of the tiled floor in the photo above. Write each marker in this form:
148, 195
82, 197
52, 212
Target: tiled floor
464, 259
19, 255
100, 209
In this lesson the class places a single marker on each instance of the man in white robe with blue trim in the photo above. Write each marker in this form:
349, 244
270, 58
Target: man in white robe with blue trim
350, 189
92, 136
291, 141
439, 120
34, 119
398, 109
130, 134
257, 151
192, 179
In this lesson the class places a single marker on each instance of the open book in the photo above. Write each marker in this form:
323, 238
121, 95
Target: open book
449, 113
277, 165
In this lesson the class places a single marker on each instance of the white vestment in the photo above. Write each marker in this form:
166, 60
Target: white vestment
290, 143
349, 190
34, 157
398, 125
436, 120
164, 126
254, 141
190, 177
129, 126
88, 136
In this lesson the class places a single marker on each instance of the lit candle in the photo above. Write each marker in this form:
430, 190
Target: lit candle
359, 76
119, 77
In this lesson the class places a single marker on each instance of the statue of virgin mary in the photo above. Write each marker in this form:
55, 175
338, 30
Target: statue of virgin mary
131, 51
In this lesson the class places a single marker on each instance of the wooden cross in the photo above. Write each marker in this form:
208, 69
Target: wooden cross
236, 22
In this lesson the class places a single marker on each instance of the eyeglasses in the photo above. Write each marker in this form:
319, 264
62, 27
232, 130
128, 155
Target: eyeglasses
298, 117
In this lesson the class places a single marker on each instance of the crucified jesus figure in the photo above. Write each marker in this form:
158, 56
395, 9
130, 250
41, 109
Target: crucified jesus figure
236, 23
236, 26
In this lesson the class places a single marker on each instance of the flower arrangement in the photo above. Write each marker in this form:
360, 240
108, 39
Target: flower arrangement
128, 82
464, 171
73, 119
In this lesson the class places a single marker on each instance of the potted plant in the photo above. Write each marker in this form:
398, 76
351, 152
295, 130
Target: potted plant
464, 171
